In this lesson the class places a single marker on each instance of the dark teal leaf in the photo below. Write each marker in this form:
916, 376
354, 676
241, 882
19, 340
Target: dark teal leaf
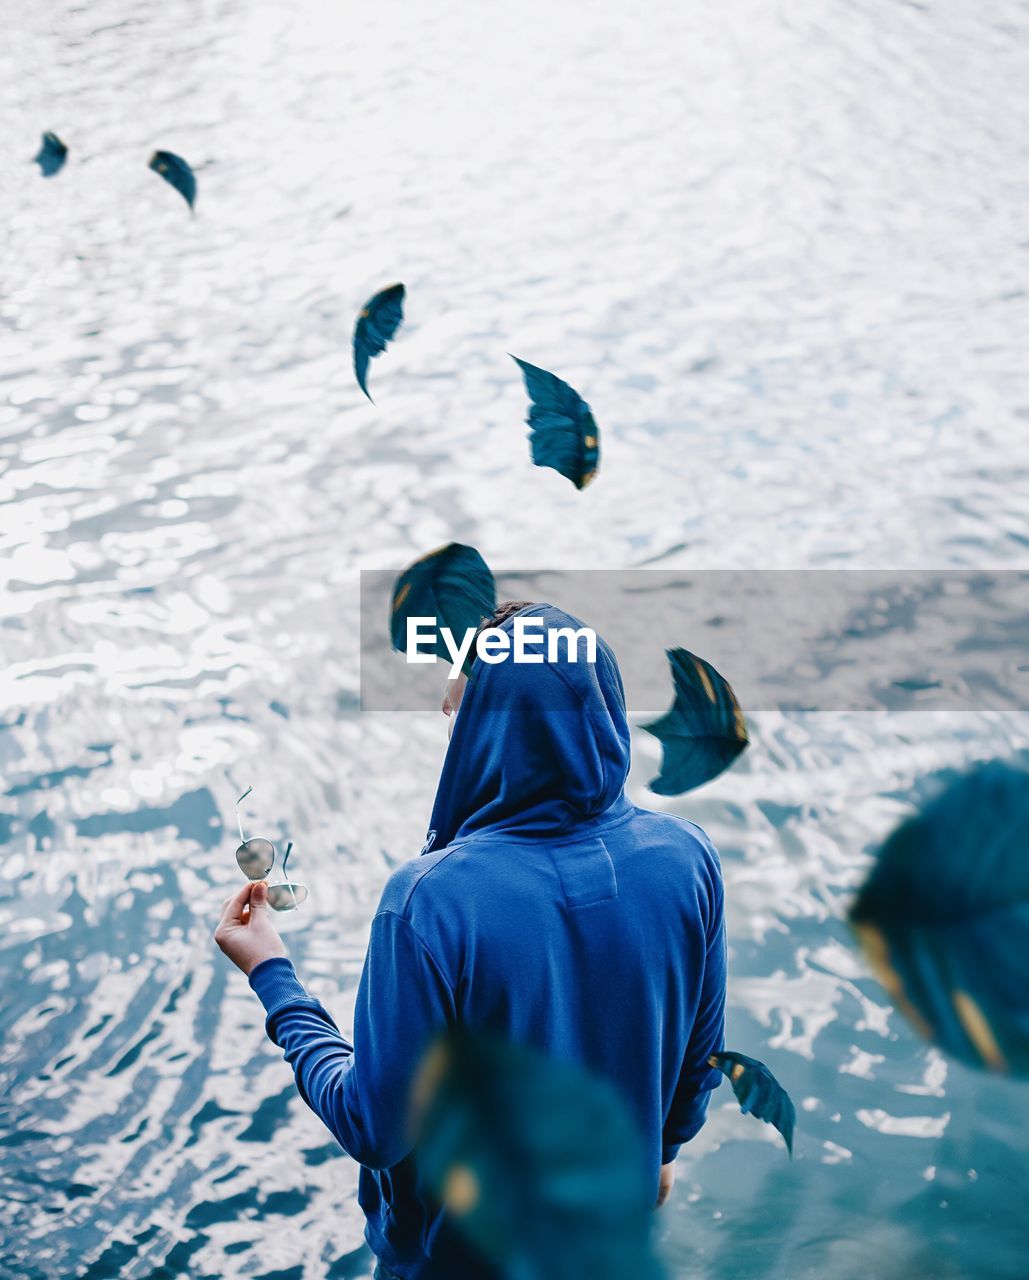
562, 432
538, 1162
452, 584
177, 173
704, 731
51, 155
944, 918
379, 320
758, 1092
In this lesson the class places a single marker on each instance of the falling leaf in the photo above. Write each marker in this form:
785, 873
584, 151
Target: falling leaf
379, 320
758, 1092
944, 918
704, 731
538, 1162
177, 173
562, 432
452, 584
51, 155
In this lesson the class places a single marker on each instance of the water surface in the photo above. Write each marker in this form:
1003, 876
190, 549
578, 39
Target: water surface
780, 248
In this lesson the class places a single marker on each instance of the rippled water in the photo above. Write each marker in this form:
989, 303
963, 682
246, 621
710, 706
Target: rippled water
781, 249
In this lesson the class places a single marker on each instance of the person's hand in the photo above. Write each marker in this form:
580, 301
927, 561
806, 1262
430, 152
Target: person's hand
664, 1189
245, 932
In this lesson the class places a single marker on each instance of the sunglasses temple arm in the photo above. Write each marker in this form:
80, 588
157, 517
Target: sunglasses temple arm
292, 891
239, 819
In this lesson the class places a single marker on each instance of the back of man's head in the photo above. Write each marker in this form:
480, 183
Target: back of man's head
506, 609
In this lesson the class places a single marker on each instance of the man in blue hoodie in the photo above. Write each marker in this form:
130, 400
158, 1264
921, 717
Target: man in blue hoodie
545, 908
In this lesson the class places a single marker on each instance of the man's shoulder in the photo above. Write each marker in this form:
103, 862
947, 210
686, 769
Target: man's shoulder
679, 839
439, 880
405, 879
682, 861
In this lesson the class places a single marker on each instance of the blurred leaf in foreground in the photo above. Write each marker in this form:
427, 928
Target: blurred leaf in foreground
944, 918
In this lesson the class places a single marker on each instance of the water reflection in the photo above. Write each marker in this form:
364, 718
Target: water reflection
759, 236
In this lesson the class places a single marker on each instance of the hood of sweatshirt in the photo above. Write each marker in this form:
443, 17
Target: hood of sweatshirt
538, 748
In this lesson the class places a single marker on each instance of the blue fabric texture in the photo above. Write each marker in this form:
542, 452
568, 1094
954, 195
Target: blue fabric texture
546, 908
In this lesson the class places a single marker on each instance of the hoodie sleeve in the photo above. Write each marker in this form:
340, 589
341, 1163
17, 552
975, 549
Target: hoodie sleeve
697, 1079
361, 1091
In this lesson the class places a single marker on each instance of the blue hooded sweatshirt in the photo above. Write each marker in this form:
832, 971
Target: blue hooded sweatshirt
546, 908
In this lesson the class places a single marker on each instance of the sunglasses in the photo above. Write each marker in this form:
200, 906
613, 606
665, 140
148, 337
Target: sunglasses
256, 857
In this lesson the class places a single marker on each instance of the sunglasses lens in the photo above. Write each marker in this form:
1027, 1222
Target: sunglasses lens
284, 897
256, 858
